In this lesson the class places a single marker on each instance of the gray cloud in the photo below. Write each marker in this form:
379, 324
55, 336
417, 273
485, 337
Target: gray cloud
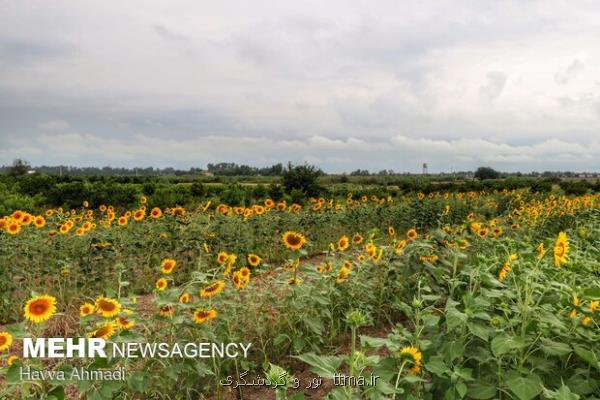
496, 80
340, 86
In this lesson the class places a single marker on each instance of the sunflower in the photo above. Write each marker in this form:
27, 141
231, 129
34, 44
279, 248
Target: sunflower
107, 307
391, 231
143, 200
293, 240
6, 340
138, 215
269, 203
585, 321
86, 309
13, 227
342, 275
294, 281
104, 332
11, 360
370, 249
281, 206
167, 265
87, 226
122, 221
411, 234
212, 289
27, 219
482, 232
561, 249
357, 239
166, 311
222, 257
343, 243
40, 308
540, 250
184, 298
463, 244
161, 284
413, 356
124, 323
39, 221
237, 280
201, 316
253, 260
497, 231
245, 274
156, 212
80, 231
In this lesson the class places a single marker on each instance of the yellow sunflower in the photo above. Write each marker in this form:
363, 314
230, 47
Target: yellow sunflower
40, 308
357, 239
414, 358
124, 323
161, 284
561, 249
222, 257
201, 316
11, 360
104, 332
411, 234
156, 212
212, 289
13, 227
166, 311
343, 243
167, 265
107, 307
39, 221
293, 240
6, 340
184, 298
342, 275
254, 260
86, 309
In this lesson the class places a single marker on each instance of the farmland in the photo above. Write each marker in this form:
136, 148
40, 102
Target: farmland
474, 294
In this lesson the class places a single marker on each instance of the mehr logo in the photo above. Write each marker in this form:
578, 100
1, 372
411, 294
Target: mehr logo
97, 347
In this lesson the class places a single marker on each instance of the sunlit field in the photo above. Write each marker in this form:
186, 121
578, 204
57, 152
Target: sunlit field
476, 295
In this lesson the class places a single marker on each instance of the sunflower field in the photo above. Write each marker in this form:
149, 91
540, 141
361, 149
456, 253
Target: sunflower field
476, 295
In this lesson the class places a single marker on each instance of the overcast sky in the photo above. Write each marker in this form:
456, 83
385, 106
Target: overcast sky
341, 84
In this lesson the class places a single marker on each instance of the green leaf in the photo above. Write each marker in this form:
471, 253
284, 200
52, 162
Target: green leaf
479, 330
481, 391
324, 366
461, 389
525, 387
138, 381
553, 348
564, 393
592, 292
58, 393
503, 344
587, 355
437, 366
455, 318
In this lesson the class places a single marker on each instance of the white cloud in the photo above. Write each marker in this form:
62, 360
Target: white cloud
54, 125
462, 81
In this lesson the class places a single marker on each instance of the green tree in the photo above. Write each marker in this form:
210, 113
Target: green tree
303, 178
19, 167
486, 173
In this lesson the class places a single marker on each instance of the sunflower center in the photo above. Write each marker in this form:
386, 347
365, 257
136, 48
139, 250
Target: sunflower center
107, 306
3, 340
38, 308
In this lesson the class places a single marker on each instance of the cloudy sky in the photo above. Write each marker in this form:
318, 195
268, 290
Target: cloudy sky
341, 84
